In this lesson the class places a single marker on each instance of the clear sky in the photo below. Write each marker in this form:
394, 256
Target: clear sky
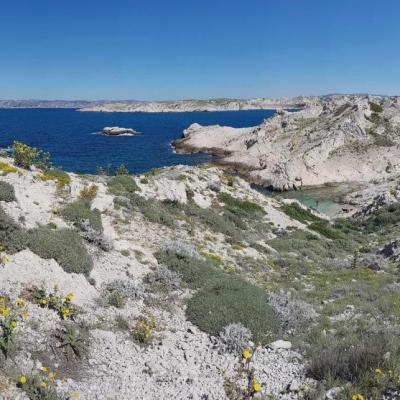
174, 49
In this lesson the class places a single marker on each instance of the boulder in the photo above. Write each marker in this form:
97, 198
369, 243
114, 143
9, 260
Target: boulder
116, 131
391, 250
280, 345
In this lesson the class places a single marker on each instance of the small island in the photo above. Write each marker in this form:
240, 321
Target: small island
118, 131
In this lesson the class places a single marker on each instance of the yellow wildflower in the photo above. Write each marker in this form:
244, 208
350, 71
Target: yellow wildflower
378, 371
43, 302
44, 369
357, 397
52, 375
14, 324
22, 379
69, 297
247, 354
5, 312
256, 387
20, 302
4, 259
43, 384
65, 312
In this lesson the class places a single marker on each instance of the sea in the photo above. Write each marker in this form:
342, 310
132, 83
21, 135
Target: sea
76, 144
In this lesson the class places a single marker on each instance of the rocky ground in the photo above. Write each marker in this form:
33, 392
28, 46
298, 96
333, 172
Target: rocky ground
185, 283
331, 140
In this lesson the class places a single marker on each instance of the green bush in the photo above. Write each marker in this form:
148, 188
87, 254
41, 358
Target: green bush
238, 206
25, 156
7, 192
122, 185
80, 210
232, 300
64, 245
376, 108
88, 193
195, 272
295, 211
61, 178
222, 299
121, 170
12, 237
323, 228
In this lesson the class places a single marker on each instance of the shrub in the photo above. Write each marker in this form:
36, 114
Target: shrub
25, 156
295, 211
80, 210
8, 168
374, 107
193, 271
64, 245
234, 338
121, 170
232, 300
88, 193
117, 292
122, 185
7, 192
12, 236
348, 360
238, 206
163, 278
143, 330
324, 229
61, 178
95, 237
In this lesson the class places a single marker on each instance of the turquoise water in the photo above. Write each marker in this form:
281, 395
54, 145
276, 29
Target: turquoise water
73, 138
326, 199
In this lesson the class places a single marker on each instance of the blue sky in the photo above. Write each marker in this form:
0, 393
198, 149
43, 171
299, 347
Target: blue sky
170, 49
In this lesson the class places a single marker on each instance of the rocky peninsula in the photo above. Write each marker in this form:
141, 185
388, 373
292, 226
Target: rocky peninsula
331, 140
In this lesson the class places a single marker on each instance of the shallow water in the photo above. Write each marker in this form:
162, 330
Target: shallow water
72, 137
326, 199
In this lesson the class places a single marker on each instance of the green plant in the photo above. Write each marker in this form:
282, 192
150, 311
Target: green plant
88, 193
376, 108
116, 298
323, 228
295, 211
74, 339
80, 210
12, 236
7, 192
122, 185
216, 305
25, 156
61, 178
121, 170
63, 245
238, 206
63, 306
193, 271
143, 330
41, 386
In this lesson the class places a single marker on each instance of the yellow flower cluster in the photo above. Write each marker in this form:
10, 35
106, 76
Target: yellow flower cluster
357, 397
62, 305
256, 386
143, 330
247, 354
42, 381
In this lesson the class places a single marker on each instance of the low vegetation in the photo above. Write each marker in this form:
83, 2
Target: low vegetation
61, 178
7, 192
81, 210
25, 156
122, 185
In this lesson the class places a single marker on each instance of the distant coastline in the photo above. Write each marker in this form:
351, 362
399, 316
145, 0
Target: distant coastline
159, 106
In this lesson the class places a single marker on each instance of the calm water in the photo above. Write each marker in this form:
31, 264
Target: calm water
70, 136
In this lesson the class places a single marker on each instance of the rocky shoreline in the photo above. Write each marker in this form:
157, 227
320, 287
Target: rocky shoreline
332, 140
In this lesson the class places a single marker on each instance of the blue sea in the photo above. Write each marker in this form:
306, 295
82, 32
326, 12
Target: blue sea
74, 141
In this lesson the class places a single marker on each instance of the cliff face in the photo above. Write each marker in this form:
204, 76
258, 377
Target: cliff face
334, 139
